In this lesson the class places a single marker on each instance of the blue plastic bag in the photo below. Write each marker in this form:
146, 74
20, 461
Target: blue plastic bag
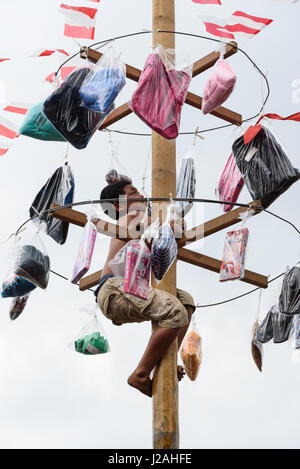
101, 87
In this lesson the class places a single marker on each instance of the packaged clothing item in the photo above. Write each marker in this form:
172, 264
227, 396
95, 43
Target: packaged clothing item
91, 340
256, 347
15, 286
230, 184
85, 252
191, 352
92, 344
161, 92
59, 189
164, 251
103, 84
36, 125
63, 109
297, 331
186, 183
218, 87
33, 265
233, 260
113, 176
289, 299
118, 264
17, 306
264, 166
276, 326
137, 269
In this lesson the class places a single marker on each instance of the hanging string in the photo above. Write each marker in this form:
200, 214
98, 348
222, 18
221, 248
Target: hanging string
144, 177
258, 309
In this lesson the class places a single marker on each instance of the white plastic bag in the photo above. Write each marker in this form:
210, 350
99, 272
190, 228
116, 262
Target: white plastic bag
186, 183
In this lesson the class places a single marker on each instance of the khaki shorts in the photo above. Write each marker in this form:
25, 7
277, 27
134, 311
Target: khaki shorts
122, 308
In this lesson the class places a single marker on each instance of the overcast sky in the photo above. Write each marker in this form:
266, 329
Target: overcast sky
52, 397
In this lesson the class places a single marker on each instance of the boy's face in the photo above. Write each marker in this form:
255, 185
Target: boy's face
131, 192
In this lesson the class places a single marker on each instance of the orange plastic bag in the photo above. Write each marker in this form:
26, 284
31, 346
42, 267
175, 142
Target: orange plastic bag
191, 352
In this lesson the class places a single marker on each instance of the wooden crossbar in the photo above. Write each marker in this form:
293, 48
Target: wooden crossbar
214, 265
216, 224
200, 66
114, 231
191, 257
192, 99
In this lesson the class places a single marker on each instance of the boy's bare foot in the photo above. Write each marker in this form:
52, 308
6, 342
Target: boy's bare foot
180, 372
141, 383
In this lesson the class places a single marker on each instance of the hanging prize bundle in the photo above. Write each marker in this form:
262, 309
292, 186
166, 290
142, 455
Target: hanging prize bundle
256, 347
64, 110
59, 189
17, 306
103, 84
219, 86
234, 253
91, 340
36, 125
230, 184
85, 251
161, 92
278, 323
164, 247
186, 183
264, 166
191, 351
14, 286
33, 264
137, 269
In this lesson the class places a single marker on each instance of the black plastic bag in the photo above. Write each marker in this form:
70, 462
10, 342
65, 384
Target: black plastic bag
59, 189
265, 330
264, 166
64, 110
33, 265
276, 326
289, 299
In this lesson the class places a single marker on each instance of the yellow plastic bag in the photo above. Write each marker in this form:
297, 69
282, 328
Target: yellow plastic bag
191, 351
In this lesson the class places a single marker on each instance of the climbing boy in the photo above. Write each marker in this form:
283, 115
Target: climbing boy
172, 314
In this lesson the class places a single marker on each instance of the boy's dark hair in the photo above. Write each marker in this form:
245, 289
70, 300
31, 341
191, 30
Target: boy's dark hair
112, 191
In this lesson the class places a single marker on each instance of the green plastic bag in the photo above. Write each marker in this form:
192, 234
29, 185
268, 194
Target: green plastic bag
36, 125
92, 344
91, 340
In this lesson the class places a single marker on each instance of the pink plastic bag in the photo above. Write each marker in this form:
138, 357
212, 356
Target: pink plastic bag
137, 269
233, 261
230, 183
218, 87
85, 252
161, 92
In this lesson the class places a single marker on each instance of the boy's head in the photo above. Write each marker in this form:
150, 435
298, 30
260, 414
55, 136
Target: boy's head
118, 190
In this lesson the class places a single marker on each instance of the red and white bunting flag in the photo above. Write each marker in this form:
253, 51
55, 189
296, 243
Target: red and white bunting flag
216, 27
8, 129
80, 21
64, 72
208, 2
17, 108
2, 60
245, 24
4, 147
98, 1
47, 52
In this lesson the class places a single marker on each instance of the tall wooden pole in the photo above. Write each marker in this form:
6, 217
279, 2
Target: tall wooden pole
165, 385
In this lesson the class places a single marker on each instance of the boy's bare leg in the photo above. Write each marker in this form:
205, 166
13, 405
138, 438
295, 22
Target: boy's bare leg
157, 347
